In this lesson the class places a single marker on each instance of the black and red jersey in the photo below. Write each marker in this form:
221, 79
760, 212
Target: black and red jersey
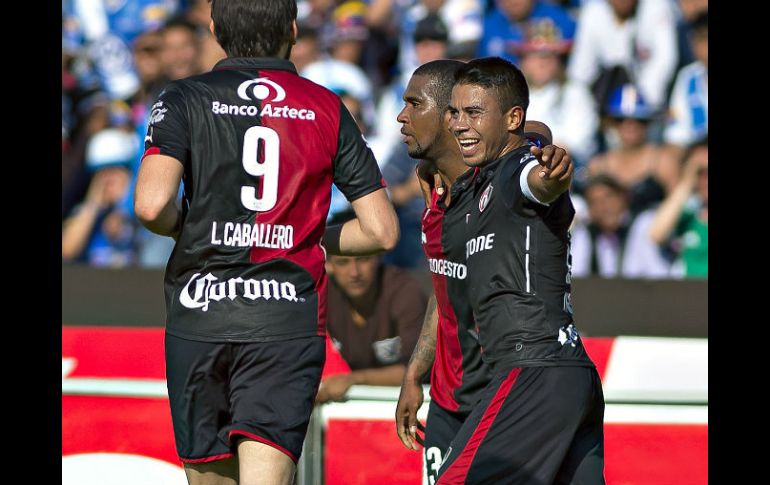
261, 147
517, 253
458, 373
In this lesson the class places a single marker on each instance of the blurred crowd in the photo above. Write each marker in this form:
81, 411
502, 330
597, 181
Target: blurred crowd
623, 84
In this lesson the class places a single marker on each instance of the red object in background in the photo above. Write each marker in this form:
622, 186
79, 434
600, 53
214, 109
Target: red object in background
656, 454
130, 352
132, 425
357, 451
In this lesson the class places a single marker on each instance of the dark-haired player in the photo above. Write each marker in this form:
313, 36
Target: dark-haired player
258, 148
540, 419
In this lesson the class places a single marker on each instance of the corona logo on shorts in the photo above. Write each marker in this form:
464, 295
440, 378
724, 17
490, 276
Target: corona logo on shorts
258, 89
201, 291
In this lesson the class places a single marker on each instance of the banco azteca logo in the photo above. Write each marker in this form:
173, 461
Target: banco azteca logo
259, 88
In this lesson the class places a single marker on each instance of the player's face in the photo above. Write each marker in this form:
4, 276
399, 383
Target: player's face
421, 119
479, 125
354, 275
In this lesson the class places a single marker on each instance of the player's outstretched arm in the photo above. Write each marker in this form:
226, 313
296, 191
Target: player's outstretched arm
374, 230
411, 397
157, 186
553, 176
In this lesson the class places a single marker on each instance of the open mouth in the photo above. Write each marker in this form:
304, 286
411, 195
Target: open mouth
468, 146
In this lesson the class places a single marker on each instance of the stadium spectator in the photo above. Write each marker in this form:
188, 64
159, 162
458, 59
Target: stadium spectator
210, 52
505, 25
463, 19
181, 49
375, 315
84, 112
681, 221
566, 106
645, 169
689, 107
350, 31
614, 243
687, 10
100, 231
638, 35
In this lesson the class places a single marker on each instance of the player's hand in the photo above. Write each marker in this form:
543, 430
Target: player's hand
555, 162
430, 179
334, 388
409, 402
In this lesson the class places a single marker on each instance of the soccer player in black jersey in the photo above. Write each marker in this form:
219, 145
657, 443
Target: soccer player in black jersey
540, 419
258, 148
448, 347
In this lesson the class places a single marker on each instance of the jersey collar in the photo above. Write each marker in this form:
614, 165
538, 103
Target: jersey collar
240, 63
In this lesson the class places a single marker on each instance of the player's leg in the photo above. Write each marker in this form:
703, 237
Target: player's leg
272, 390
440, 427
196, 376
261, 464
525, 430
584, 463
219, 472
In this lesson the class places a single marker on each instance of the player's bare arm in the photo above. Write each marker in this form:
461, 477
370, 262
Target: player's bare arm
157, 186
553, 176
420, 363
374, 230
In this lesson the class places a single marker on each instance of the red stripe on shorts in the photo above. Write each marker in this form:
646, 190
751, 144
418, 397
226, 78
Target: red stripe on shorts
458, 471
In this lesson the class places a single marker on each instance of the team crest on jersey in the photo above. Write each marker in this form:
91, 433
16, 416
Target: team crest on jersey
484, 200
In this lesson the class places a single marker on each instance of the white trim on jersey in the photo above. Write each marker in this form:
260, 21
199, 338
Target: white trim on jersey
526, 258
525, 184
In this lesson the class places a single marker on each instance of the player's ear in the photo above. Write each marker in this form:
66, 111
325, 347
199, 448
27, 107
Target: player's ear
514, 118
211, 27
294, 32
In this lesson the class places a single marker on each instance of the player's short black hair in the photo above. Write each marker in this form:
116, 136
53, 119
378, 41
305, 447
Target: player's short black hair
497, 74
253, 28
441, 74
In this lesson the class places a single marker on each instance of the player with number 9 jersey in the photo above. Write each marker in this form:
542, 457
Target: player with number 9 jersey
261, 147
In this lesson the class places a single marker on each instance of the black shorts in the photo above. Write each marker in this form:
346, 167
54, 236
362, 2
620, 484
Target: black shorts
440, 428
259, 390
533, 425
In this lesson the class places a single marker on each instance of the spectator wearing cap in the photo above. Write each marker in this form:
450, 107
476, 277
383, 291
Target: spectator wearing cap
637, 35
567, 107
642, 167
350, 31
505, 26
688, 110
614, 243
99, 231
